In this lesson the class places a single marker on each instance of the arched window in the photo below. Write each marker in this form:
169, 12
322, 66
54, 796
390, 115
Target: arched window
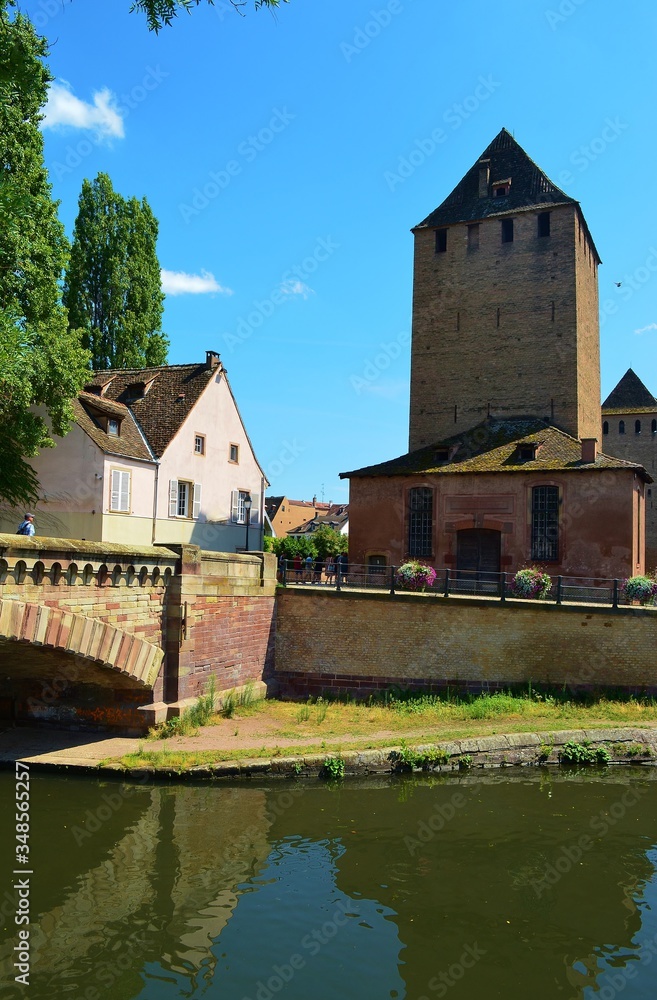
637, 426
653, 427
621, 426
605, 427
420, 521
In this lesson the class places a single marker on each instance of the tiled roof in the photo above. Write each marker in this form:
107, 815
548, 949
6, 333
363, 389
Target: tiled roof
630, 395
128, 444
174, 390
530, 188
493, 446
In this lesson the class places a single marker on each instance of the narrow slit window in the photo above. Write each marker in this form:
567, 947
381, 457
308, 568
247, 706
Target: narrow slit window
507, 230
544, 224
621, 426
637, 426
441, 240
473, 236
605, 427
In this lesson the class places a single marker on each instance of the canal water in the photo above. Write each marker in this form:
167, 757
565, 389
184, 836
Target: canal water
531, 884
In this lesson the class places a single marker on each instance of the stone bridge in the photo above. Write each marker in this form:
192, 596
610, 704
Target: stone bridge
107, 635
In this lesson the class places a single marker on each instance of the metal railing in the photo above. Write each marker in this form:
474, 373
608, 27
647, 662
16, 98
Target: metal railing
450, 582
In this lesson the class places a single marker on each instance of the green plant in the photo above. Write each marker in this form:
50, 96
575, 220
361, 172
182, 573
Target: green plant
465, 762
406, 758
633, 750
640, 588
532, 583
322, 709
415, 576
297, 767
544, 751
584, 754
304, 713
333, 768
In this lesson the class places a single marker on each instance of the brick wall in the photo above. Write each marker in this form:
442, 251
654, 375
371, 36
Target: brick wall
363, 642
512, 326
637, 447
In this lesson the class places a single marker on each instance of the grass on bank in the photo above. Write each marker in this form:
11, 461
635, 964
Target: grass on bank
321, 724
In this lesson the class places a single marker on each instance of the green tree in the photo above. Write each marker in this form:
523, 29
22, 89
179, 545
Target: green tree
41, 362
113, 290
328, 541
162, 12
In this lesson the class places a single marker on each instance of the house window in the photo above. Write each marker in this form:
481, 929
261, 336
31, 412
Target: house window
543, 224
420, 521
621, 426
473, 236
184, 499
605, 427
637, 426
441, 240
545, 523
120, 491
376, 565
199, 444
238, 507
234, 453
507, 230
501, 189
113, 427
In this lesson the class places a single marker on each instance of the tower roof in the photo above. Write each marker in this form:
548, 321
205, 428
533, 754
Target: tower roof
529, 187
630, 394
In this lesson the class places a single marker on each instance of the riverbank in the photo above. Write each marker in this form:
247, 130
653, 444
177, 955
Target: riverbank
89, 753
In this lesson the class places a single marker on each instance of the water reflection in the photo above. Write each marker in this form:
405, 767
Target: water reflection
481, 886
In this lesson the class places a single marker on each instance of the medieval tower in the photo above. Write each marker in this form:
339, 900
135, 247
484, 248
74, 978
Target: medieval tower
505, 304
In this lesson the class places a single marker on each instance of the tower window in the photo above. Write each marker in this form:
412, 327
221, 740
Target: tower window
605, 427
441, 240
544, 224
621, 426
653, 427
507, 230
473, 236
501, 189
637, 426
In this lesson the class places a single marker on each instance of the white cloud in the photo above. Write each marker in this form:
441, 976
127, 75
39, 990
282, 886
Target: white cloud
64, 109
292, 287
644, 329
180, 283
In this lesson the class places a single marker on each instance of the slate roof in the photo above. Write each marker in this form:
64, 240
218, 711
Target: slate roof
530, 188
630, 395
493, 447
173, 392
129, 444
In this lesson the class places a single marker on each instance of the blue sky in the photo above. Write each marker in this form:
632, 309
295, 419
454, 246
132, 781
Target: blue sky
288, 157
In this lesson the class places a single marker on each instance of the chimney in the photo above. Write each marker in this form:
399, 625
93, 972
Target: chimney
484, 177
314, 501
211, 359
589, 450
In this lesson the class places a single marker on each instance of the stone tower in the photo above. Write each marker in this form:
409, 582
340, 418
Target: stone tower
505, 304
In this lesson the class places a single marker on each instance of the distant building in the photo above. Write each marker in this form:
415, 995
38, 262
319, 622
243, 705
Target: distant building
285, 514
504, 467
629, 431
337, 518
154, 455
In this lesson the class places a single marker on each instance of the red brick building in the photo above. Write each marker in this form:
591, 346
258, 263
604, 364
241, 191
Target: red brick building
504, 468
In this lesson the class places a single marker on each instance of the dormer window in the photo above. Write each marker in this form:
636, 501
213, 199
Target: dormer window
441, 455
113, 427
527, 451
501, 188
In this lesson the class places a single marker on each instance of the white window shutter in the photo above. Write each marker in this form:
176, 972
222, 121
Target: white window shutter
235, 506
173, 497
115, 495
197, 500
124, 498
255, 509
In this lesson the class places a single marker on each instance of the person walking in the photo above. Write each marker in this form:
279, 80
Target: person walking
26, 527
318, 569
298, 568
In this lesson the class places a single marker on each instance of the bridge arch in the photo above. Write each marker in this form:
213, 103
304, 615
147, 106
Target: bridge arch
96, 641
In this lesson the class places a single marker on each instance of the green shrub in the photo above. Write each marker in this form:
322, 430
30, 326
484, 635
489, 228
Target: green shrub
333, 768
407, 759
583, 754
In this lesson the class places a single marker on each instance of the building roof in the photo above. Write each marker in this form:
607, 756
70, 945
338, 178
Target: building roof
630, 395
171, 393
494, 447
336, 517
530, 188
129, 443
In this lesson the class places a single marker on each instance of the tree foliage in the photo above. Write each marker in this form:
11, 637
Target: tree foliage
41, 362
113, 289
162, 12
324, 542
